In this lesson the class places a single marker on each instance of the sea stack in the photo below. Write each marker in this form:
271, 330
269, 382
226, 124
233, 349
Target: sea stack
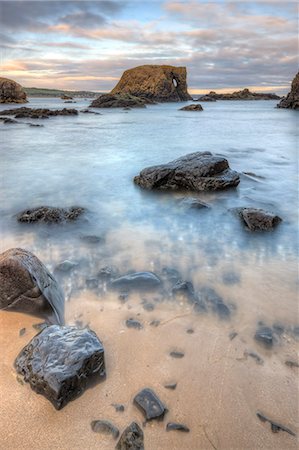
11, 92
291, 101
155, 82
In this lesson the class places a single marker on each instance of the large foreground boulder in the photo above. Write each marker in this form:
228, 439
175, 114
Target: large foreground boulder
200, 171
60, 361
27, 286
154, 82
11, 92
292, 99
118, 101
49, 214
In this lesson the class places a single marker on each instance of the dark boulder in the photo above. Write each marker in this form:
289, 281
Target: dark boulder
48, 214
258, 219
60, 361
150, 404
104, 427
131, 438
200, 171
136, 281
291, 101
27, 286
9, 121
192, 108
264, 335
38, 113
118, 101
11, 92
177, 427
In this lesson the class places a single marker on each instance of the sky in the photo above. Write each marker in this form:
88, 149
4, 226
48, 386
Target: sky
86, 45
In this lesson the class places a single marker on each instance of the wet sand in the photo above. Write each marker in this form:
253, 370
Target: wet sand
219, 390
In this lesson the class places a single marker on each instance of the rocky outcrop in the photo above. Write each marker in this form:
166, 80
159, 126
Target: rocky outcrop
245, 94
154, 82
192, 108
38, 113
200, 171
291, 101
48, 214
258, 219
60, 361
205, 98
27, 286
11, 92
118, 101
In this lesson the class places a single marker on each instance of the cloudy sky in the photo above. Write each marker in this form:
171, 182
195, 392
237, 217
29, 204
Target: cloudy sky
88, 44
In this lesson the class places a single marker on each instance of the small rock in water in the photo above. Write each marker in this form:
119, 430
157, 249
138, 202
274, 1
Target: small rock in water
190, 331
104, 427
275, 427
255, 356
194, 203
148, 306
91, 239
150, 404
133, 323
218, 306
177, 426
10, 121
177, 354
35, 125
230, 278
108, 272
118, 407
155, 323
123, 298
290, 363
264, 335
59, 361
48, 214
232, 335
192, 108
22, 331
171, 386
131, 438
184, 288
66, 266
137, 280
258, 219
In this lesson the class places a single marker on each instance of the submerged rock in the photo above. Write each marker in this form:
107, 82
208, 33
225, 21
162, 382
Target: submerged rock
104, 427
291, 101
177, 427
118, 407
154, 82
275, 427
38, 113
66, 266
11, 92
49, 214
27, 286
200, 171
133, 323
60, 361
194, 203
118, 101
258, 219
137, 280
150, 404
9, 121
264, 335
170, 386
192, 108
216, 302
177, 354
131, 438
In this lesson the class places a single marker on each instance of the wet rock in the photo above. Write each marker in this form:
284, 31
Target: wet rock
60, 361
136, 281
27, 286
190, 331
9, 121
106, 273
171, 386
264, 335
244, 94
118, 407
38, 113
200, 171
91, 239
150, 404
194, 203
92, 283
177, 354
66, 97
255, 356
155, 323
88, 111
232, 335
104, 427
11, 92
155, 83
258, 219
177, 427
131, 438
291, 363
275, 427
118, 101
147, 306
22, 331
48, 214
184, 288
123, 298
216, 302
192, 108
66, 266
133, 323
291, 101
171, 274
206, 98
35, 125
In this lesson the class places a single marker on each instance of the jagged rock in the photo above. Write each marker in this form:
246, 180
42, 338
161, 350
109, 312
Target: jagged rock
11, 92
131, 438
150, 404
118, 101
258, 219
292, 99
137, 280
192, 108
244, 94
60, 361
27, 286
154, 82
200, 171
177, 427
48, 214
104, 427
38, 113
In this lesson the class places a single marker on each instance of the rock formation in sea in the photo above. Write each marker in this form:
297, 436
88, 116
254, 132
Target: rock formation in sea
155, 82
291, 101
11, 92
245, 94
192, 108
118, 101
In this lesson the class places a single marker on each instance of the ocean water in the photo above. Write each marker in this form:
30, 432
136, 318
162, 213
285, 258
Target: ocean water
90, 161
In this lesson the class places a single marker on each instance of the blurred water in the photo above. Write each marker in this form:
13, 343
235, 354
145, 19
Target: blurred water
90, 160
